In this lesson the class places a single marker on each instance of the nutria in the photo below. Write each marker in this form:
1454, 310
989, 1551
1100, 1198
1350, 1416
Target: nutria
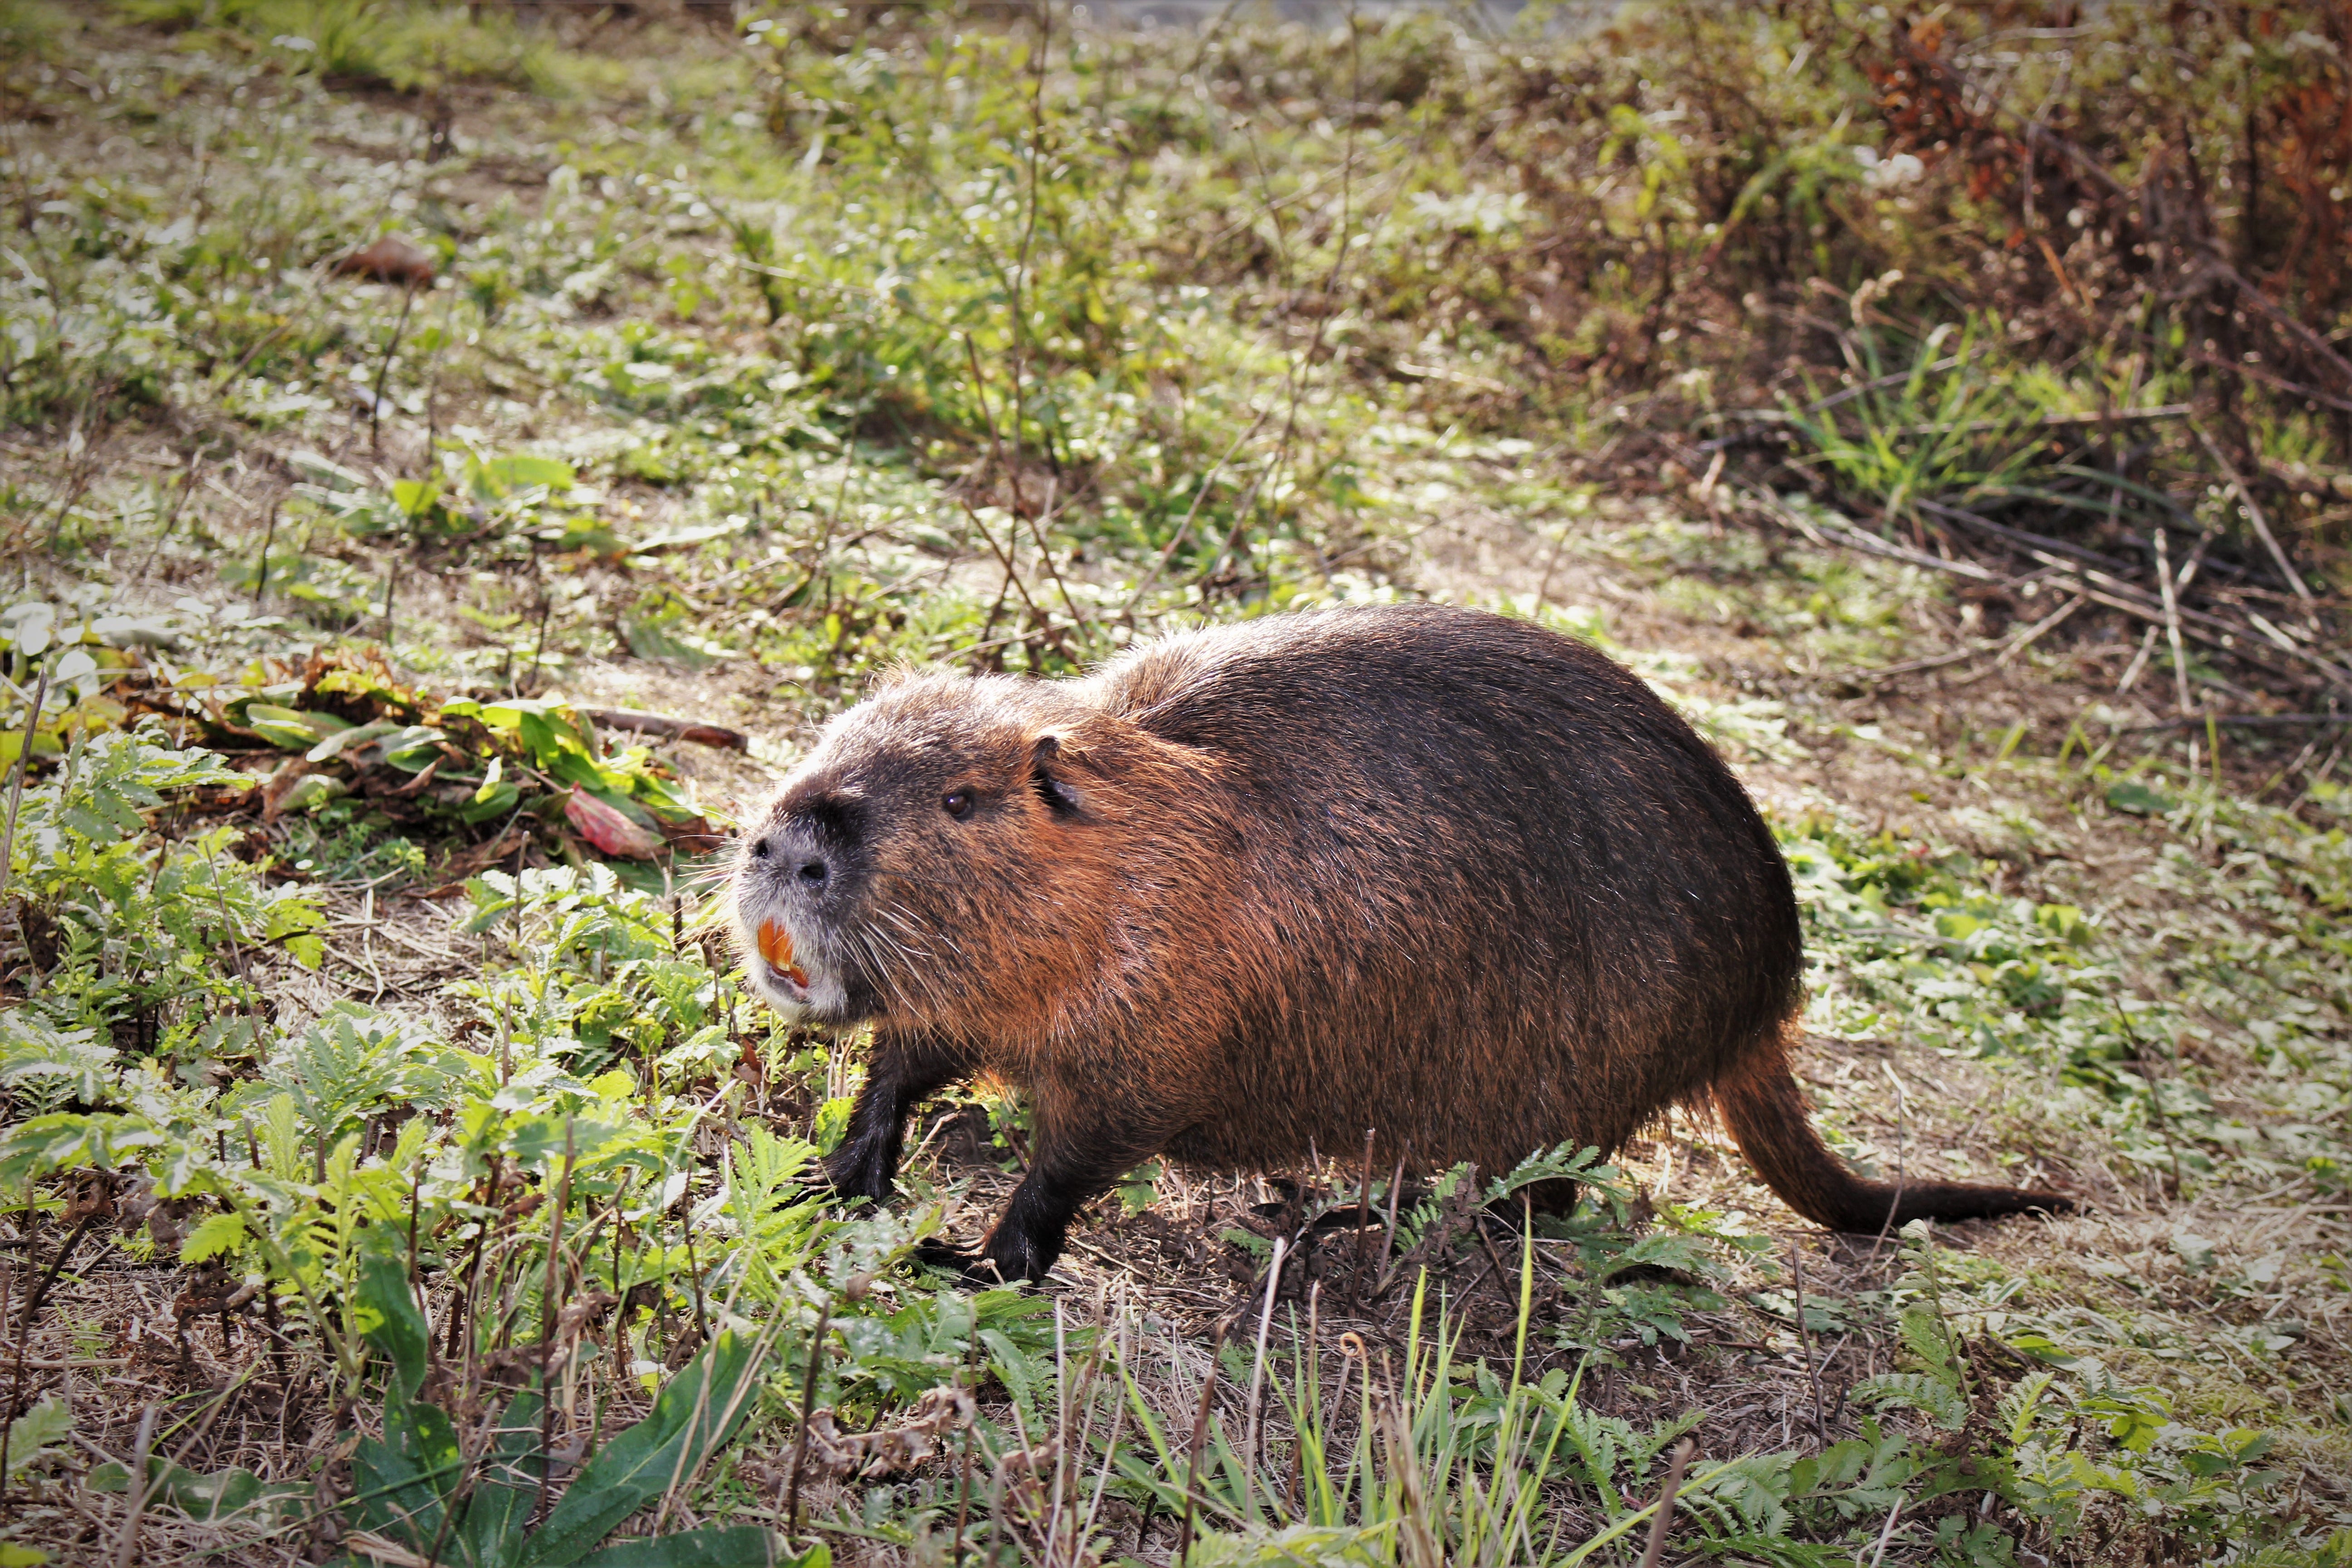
1250, 890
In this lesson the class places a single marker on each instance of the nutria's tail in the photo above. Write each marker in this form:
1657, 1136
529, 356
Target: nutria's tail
1765, 1110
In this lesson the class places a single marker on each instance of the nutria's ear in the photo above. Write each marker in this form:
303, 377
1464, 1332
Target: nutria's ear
1049, 774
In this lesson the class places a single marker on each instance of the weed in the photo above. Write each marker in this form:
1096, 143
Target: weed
764, 359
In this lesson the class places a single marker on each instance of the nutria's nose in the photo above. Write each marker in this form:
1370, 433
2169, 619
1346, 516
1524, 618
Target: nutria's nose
759, 849
812, 872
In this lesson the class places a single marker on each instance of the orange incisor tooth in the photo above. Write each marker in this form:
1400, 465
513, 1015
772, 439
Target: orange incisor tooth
776, 947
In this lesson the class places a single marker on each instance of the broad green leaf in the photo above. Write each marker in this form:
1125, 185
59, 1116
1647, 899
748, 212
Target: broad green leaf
342, 741
1298, 1546
400, 1330
29, 628
713, 1546
310, 793
411, 748
498, 801
75, 668
505, 1486
1664, 1249
2135, 799
69, 1140
40, 1427
500, 477
296, 730
690, 1417
46, 744
415, 498
217, 1234
208, 1499
401, 1480
551, 738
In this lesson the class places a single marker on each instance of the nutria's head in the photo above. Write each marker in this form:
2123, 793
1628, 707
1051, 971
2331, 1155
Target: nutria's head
938, 859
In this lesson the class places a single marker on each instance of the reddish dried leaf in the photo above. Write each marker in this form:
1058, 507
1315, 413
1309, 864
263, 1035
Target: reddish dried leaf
610, 830
394, 259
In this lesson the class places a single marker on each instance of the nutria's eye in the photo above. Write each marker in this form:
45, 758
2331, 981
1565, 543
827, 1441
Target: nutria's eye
958, 803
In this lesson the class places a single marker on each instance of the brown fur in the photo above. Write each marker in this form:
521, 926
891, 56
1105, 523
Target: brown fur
1255, 890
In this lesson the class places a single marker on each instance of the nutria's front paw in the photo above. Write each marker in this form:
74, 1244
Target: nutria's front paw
855, 1173
972, 1271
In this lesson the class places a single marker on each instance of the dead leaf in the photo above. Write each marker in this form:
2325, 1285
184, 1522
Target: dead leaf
393, 258
890, 1449
609, 829
290, 771
694, 838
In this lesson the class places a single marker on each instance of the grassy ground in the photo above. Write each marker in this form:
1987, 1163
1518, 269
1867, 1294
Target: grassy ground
394, 1167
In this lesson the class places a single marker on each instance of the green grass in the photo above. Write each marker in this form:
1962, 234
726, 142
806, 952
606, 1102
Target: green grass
759, 364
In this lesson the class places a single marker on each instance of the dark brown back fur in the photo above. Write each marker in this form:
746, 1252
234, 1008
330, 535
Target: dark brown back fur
1494, 894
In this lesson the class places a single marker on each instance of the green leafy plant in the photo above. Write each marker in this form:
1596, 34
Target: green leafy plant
421, 1485
1940, 422
133, 933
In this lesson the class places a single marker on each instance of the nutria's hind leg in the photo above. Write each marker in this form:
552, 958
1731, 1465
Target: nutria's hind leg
1554, 1195
903, 1072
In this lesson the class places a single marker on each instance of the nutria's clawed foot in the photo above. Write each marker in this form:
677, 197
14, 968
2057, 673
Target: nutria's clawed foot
972, 1270
857, 1170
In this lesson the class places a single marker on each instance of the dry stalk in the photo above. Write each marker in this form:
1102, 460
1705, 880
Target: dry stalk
1111, 1446
2094, 577
1184, 529
1422, 1548
2253, 514
179, 503
808, 1403
1388, 1240
2171, 619
1045, 552
1061, 1431
1250, 1452
1894, 1203
1887, 1533
17, 784
548, 1297
1013, 576
48, 1279
1306, 358
1805, 1340
85, 469
383, 365
126, 1545
682, 1476
1200, 1441
1303, 1357
261, 568
8, 1412
1018, 318
2034, 633
538, 652
1659, 1521
963, 1485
